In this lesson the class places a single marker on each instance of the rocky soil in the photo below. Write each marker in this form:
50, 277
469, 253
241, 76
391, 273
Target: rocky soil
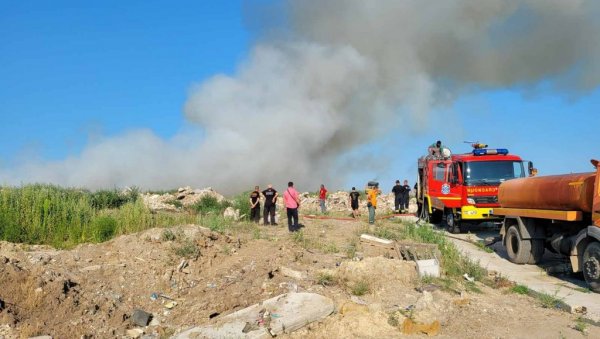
189, 276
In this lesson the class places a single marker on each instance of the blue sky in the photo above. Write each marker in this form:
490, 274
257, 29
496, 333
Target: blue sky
70, 72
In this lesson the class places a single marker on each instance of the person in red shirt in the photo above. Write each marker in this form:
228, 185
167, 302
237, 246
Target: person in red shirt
323, 198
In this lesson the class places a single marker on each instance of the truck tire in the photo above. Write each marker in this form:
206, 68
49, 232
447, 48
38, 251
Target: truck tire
452, 225
537, 251
591, 265
518, 249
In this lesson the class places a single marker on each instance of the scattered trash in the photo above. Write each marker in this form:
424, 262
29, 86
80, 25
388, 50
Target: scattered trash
153, 296
170, 304
211, 285
580, 310
275, 315
140, 317
213, 315
428, 268
165, 297
182, 265
468, 278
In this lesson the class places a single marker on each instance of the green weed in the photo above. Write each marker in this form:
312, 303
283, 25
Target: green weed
187, 249
325, 279
361, 287
520, 289
210, 205
581, 325
483, 247
351, 249
168, 235
549, 300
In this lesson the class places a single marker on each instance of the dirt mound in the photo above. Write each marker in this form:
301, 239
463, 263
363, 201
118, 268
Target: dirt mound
190, 276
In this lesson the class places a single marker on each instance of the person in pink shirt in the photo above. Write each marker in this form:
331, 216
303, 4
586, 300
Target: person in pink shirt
291, 199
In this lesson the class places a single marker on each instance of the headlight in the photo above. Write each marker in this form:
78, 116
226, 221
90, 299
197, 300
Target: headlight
471, 201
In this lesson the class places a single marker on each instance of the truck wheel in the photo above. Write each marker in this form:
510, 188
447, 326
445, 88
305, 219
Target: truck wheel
518, 250
591, 265
537, 251
436, 217
451, 224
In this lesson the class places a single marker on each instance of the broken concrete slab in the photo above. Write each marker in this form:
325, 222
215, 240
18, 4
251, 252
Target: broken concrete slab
289, 312
290, 273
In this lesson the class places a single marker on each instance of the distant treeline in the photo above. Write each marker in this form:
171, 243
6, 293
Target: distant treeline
64, 217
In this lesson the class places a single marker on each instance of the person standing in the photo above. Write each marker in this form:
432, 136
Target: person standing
291, 199
255, 205
323, 198
372, 194
398, 193
354, 195
405, 196
270, 195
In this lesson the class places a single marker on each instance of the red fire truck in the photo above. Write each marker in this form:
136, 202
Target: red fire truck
462, 189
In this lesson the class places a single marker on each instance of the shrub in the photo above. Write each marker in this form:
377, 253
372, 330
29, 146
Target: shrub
241, 202
103, 228
210, 205
168, 235
325, 279
360, 288
187, 249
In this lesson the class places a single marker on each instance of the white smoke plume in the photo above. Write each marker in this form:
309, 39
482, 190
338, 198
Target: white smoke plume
337, 75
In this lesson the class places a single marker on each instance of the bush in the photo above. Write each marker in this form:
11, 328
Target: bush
187, 249
112, 198
210, 205
104, 228
360, 288
168, 235
241, 202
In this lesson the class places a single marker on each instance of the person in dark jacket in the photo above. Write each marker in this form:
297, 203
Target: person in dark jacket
397, 190
255, 205
405, 197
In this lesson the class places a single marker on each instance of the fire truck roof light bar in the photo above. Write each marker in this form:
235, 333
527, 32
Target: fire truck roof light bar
490, 151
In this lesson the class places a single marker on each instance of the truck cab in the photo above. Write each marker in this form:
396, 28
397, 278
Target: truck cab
462, 189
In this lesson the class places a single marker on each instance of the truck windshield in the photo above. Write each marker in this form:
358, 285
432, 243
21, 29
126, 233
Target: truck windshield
492, 172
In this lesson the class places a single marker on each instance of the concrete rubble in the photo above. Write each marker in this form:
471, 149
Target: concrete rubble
336, 201
185, 196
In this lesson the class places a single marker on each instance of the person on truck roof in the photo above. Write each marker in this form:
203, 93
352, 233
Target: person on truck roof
436, 149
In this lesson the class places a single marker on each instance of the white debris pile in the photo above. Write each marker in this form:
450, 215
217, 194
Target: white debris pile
185, 196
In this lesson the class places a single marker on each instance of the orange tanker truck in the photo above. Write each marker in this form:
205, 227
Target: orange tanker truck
560, 213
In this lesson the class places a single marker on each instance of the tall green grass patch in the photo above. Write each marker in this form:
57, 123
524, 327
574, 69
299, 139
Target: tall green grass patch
64, 217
